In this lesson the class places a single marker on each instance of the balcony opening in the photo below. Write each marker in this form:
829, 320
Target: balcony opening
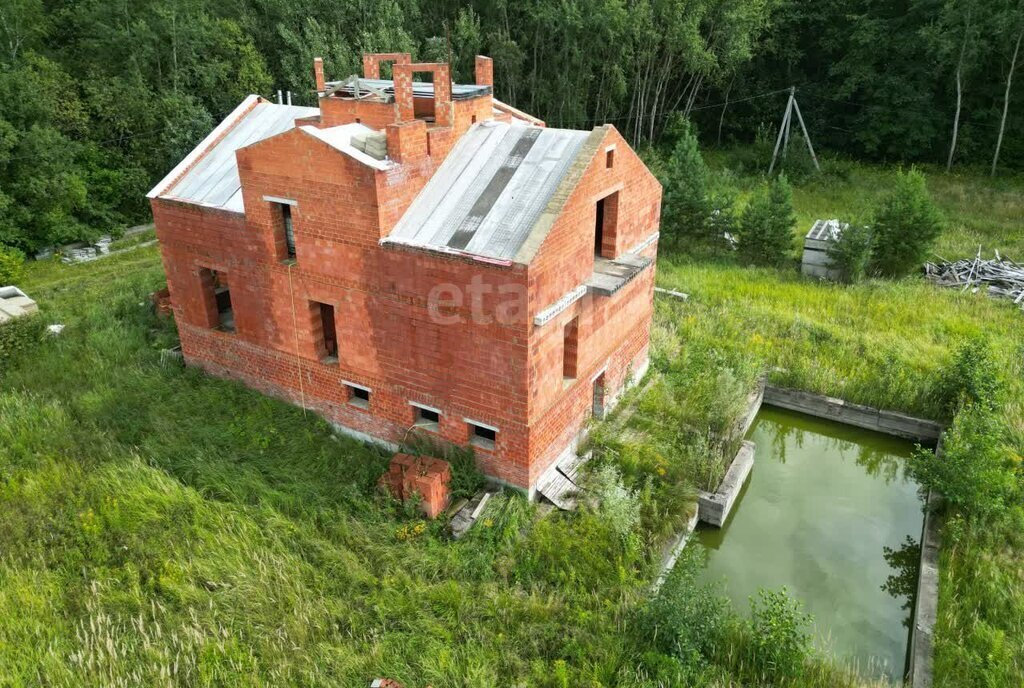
606, 225
218, 295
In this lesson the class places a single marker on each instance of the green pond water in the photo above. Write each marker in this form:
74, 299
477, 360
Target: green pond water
823, 502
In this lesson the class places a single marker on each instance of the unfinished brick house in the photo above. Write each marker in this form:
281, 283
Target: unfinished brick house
417, 254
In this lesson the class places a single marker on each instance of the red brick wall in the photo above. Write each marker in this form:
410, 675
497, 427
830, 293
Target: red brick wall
613, 330
482, 361
335, 111
388, 339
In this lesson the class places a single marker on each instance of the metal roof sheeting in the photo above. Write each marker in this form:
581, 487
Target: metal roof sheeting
490, 191
213, 181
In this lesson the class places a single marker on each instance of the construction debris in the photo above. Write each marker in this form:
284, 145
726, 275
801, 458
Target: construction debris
816, 260
671, 292
14, 303
1001, 277
469, 512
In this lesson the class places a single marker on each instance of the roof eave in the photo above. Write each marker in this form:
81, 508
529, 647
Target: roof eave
204, 146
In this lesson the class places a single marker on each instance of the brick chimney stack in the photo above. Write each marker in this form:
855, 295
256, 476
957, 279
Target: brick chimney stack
484, 71
318, 72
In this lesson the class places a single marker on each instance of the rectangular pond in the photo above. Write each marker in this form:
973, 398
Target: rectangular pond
829, 513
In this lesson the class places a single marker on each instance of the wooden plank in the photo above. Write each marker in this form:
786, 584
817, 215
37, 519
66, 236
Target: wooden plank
821, 258
558, 490
571, 465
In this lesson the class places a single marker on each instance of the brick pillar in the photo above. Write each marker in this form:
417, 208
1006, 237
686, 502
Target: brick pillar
484, 71
407, 141
371, 67
318, 73
443, 114
207, 299
403, 92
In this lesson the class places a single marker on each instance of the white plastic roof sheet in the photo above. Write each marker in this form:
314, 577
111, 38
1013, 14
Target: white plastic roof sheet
213, 181
490, 191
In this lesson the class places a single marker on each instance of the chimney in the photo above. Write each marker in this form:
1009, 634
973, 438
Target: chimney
318, 72
484, 71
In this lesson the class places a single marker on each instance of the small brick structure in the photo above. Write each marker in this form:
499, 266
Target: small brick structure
161, 301
426, 476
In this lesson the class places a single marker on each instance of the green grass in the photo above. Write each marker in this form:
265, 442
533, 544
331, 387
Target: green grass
159, 526
979, 211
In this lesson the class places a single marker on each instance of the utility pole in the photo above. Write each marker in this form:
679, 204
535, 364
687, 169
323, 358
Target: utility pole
784, 130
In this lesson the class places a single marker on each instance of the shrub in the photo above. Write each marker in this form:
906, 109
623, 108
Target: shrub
686, 619
766, 225
466, 480
18, 335
973, 471
906, 224
12, 265
687, 208
616, 503
972, 378
781, 642
851, 253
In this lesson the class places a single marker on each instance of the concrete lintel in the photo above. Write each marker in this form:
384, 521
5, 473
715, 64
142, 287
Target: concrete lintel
282, 201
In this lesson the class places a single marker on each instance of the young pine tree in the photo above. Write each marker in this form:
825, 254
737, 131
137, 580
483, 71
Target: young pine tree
686, 219
766, 225
907, 223
851, 253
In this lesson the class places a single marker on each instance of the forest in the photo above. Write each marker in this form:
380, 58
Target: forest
99, 99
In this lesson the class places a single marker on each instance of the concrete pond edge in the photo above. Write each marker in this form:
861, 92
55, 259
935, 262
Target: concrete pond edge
926, 599
848, 413
714, 508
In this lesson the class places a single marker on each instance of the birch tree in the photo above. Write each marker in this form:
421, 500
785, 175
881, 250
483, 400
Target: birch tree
1013, 23
955, 39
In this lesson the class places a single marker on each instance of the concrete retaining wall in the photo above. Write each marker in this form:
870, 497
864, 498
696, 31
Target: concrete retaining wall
672, 551
926, 602
888, 422
714, 507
